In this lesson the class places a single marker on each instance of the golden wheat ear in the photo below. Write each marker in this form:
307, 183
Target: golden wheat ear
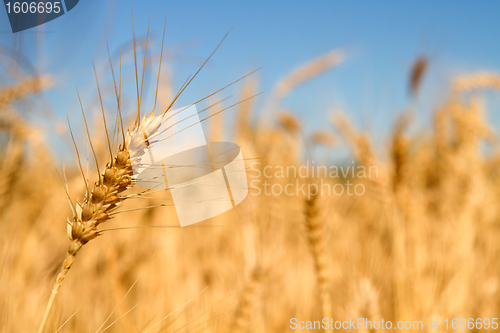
315, 235
99, 203
417, 73
96, 208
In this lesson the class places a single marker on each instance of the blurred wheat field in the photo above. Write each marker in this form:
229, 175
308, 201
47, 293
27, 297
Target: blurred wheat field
420, 243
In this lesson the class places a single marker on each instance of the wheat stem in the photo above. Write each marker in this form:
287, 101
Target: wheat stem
47, 312
67, 263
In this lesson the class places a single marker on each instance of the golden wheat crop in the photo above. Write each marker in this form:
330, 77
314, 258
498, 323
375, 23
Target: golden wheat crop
420, 242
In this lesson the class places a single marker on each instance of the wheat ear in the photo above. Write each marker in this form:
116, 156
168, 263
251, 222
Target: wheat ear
96, 208
308, 71
106, 195
480, 80
248, 298
315, 234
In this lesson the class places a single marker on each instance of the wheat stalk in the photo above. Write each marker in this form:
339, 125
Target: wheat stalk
98, 205
106, 195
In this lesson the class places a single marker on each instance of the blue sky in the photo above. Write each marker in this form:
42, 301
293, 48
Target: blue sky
382, 37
